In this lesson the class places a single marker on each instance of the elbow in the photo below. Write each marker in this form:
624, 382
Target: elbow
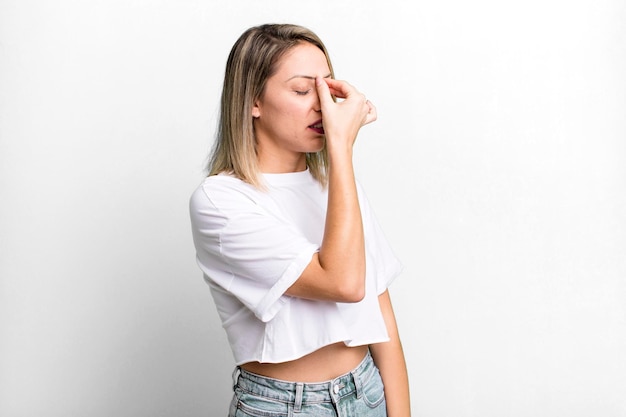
352, 293
356, 296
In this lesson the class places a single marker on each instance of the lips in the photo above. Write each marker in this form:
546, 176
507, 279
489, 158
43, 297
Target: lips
317, 127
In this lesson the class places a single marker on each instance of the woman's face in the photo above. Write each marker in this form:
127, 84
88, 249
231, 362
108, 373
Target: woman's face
287, 116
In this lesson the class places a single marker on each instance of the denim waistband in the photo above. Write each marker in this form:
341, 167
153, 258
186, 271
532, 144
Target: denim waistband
299, 393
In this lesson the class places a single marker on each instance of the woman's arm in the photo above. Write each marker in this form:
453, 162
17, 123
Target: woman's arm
337, 272
389, 358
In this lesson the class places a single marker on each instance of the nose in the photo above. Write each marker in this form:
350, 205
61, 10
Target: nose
317, 106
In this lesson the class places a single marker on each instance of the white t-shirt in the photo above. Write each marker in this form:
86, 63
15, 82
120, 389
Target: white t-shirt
252, 245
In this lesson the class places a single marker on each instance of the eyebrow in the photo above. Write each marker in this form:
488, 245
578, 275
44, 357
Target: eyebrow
308, 77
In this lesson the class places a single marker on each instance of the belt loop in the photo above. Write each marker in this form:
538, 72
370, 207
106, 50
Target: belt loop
297, 406
235, 376
357, 384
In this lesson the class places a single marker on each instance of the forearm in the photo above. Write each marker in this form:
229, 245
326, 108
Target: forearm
337, 271
389, 358
342, 252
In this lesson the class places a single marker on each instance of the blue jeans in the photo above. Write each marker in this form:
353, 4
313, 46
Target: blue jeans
357, 393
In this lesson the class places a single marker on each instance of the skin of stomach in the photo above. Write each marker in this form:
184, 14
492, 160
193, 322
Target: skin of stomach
322, 365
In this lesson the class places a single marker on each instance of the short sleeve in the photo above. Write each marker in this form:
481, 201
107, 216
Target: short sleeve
245, 247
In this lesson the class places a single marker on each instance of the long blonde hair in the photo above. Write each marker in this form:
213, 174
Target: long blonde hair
252, 60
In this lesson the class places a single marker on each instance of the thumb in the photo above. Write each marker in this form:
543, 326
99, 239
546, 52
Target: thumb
323, 92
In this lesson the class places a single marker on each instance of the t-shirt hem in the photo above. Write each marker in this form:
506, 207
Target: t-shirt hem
295, 356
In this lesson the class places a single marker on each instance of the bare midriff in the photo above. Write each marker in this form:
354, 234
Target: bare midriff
324, 364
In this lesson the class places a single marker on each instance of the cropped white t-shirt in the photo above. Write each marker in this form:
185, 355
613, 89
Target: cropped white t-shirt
252, 245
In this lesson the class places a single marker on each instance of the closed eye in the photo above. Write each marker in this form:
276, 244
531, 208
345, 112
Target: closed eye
303, 93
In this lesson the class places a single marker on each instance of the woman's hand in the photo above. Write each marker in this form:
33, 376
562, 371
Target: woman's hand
342, 120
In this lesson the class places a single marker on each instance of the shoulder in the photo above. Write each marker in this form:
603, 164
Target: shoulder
223, 189
224, 186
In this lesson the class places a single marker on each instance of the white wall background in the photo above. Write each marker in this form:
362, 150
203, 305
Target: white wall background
497, 167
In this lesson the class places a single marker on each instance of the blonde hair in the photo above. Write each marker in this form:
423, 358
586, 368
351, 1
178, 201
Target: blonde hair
252, 60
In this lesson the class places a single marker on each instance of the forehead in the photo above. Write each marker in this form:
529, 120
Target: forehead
303, 60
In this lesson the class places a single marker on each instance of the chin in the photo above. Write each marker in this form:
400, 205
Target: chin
317, 146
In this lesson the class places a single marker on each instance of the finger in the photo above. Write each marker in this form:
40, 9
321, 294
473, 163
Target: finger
372, 113
323, 91
334, 90
340, 89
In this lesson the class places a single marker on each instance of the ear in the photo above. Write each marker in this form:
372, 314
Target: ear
256, 110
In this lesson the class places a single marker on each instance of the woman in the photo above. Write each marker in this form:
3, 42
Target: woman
296, 262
